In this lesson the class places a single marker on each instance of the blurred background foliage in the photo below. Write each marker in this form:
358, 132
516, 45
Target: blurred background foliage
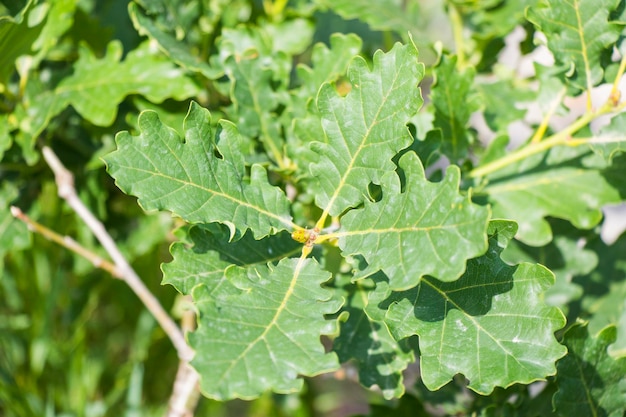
74, 341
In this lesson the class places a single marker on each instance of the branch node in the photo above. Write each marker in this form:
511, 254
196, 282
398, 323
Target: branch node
16, 212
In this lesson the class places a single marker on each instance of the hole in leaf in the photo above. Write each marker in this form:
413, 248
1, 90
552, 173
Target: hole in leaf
375, 191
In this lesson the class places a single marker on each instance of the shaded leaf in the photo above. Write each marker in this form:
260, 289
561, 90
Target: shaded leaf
211, 254
590, 382
501, 100
328, 65
605, 291
187, 178
366, 128
98, 86
5, 137
491, 325
379, 14
496, 18
565, 256
425, 229
59, 20
379, 357
268, 335
579, 34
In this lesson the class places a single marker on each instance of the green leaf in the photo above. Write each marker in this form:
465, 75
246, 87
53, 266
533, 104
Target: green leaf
366, 128
496, 19
491, 325
501, 99
187, 178
267, 335
255, 100
564, 256
59, 20
379, 357
5, 135
292, 36
580, 34
379, 14
204, 263
17, 34
425, 229
178, 51
98, 86
611, 140
13, 233
590, 382
454, 103
605, 291
554, 184
328, 64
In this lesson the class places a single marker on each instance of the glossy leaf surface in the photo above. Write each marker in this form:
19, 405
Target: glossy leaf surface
425, 229
366, 128
268, 334
461, 326
187, 178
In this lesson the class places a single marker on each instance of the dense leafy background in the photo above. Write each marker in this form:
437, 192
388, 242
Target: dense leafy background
447, 161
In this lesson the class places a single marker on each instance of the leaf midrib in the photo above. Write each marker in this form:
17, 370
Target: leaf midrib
272, 323
210, 191
366, 136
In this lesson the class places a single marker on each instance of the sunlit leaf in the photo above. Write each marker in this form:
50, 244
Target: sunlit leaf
454, 102
554, 185
177, 50
186, 176
424, 229
366, 128
580, 34
266, 336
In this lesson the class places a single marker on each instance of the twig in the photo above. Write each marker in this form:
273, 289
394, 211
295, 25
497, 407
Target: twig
65, 184
67, 242
185, 392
